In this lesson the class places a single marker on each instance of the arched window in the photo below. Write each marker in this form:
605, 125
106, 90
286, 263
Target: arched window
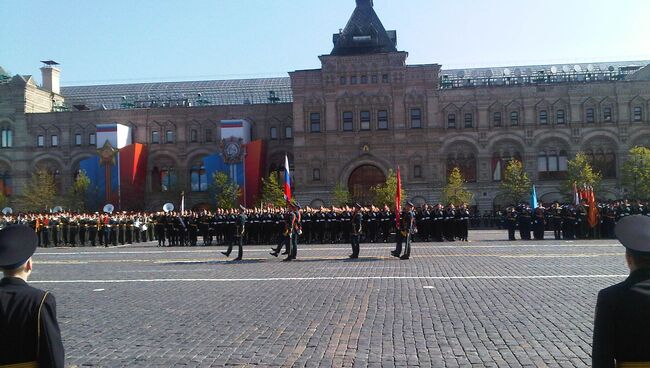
602, 156
465, 161
552, 164
500, 161
198, 179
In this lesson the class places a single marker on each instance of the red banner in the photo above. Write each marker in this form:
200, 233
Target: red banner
398, 198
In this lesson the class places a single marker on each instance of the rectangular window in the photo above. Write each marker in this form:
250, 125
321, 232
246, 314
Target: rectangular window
543, 117
607, 114
374, 79
638, 113
169, 136
77, 139
382, 120
353, 79
590, 116
40, 141
417, 171
364, 120
92, 139
559, 118
194, 136
343, 81
384, 78
348, 121
7, 138
542, 163
364, 79
274, 133
316, 174
416, 118
514, 118
469, 120
288, 132
155, 137
496, 119
314, 122
54, 141
451, 121
208, 135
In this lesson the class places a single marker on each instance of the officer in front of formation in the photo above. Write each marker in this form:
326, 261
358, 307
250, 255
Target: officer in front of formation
622, 322
29, 331
405, 232
240, 231
356, 220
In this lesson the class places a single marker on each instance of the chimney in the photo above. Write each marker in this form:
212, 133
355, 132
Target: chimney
51, 77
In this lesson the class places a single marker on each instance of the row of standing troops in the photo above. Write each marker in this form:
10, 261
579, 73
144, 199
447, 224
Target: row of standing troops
67, 229
569, 222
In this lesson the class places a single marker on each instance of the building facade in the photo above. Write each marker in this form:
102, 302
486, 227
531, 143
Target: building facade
363, 113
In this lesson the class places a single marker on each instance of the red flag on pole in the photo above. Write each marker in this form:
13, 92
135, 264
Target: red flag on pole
398, 198
593, 211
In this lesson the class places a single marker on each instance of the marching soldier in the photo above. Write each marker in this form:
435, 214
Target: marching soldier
240, 231
30, 332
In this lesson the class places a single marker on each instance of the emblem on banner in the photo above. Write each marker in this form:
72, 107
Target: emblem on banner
232, 150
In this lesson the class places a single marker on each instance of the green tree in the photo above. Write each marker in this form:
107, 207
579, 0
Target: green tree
580, 171
516, 184
40, 192
455, 191
341, 195
76, 195
272, 193
226, 191
4, 201
385, 193
636, 173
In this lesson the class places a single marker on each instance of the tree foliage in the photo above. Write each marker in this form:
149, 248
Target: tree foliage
77, 193
385, 193
40, 192
580, 171
516, 184
341, 195
4, 201
636, 173
226, 191
272, 193
455, 191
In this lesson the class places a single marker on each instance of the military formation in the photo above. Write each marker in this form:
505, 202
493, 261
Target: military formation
569, 221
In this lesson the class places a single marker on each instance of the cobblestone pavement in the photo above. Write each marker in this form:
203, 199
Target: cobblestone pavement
486, 303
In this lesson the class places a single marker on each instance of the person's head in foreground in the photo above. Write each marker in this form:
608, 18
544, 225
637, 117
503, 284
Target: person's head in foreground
622, 322
30, 335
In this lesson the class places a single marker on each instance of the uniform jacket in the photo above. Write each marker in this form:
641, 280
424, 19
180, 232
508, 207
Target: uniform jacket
19, 305
622, 323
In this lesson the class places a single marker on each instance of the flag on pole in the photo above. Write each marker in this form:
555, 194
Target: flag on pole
533, 198
398, 198
592, 214
287, 180
576, 195
182, 202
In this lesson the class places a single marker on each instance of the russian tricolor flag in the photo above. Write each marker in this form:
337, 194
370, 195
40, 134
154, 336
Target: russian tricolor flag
287, 179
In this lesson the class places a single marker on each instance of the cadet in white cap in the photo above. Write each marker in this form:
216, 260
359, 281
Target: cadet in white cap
622, 322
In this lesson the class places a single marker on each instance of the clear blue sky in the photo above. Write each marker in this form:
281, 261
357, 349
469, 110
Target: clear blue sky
118, 41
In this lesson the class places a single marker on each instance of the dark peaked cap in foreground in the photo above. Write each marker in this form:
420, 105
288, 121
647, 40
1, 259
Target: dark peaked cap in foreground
17, 244
634, 233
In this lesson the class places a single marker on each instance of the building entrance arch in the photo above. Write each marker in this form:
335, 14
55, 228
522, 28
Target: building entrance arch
361, 181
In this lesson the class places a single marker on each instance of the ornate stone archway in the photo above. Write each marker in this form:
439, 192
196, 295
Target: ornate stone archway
361, 181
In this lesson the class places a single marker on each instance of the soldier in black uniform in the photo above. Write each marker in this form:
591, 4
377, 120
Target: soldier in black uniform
240, 232
355, 224
511, 222
524, 222
29, 331
405, 232
556, 220
622, 320
539, 223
